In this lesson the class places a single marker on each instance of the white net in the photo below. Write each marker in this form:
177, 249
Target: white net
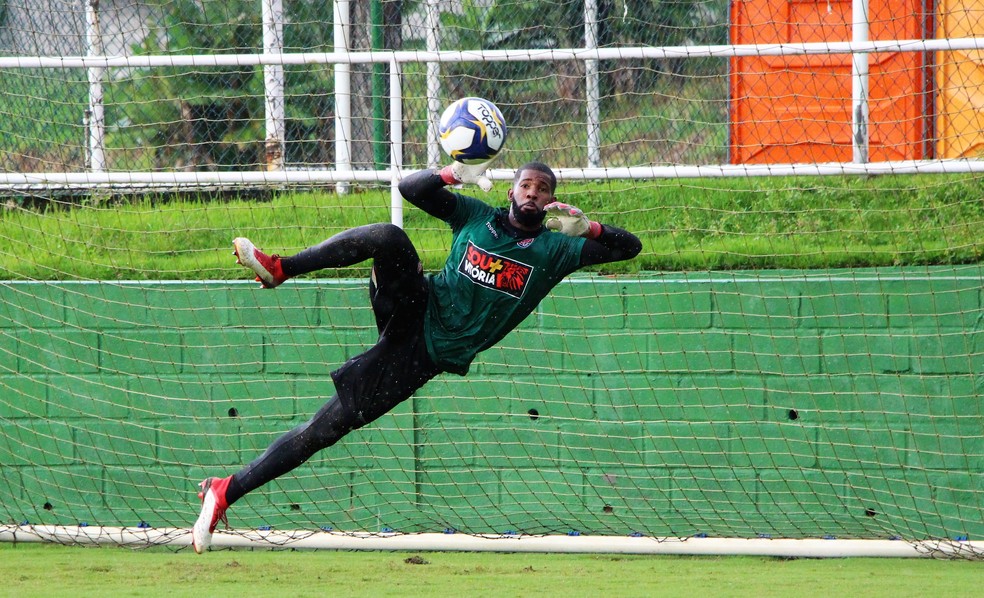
790, 357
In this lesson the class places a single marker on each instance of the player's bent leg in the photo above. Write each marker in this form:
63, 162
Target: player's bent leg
383, 242
387, 244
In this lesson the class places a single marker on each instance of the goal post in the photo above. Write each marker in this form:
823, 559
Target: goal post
443, 542
791, 367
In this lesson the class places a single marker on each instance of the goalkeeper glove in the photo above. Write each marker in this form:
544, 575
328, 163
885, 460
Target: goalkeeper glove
571, 221
459, 172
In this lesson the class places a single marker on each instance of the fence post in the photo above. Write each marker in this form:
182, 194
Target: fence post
396, 142
273, 84
343, 97
433, 83
859, 82
95, 115
592, 88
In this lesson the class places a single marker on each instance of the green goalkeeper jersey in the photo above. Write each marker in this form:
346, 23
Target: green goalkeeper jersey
490, 282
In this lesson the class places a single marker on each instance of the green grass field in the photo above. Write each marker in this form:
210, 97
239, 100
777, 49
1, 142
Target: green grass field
50, 570
722, 224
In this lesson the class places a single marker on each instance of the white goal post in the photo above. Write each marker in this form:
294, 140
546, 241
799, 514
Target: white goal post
441, 542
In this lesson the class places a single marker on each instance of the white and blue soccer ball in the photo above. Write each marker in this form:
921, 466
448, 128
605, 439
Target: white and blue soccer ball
472, 130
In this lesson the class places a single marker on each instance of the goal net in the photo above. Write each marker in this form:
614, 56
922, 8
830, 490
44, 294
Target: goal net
792, 366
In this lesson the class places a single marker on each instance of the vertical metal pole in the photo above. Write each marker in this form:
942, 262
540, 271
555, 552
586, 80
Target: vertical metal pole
96, 118
433, 28
859, 83
592, 87
376, 43
396, 143
273, 84
343, 94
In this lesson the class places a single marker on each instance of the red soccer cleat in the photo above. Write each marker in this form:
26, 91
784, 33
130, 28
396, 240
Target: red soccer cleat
267, 267
214, 507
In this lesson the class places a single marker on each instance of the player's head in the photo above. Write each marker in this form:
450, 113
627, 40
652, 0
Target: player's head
533, 188
541, 168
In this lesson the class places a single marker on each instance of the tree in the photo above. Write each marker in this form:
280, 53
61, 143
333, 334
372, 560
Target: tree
212, 117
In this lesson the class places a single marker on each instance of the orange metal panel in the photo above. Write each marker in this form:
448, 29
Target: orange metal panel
960, 82
797, 109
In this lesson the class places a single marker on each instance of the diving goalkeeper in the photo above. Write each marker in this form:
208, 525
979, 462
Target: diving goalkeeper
502, 263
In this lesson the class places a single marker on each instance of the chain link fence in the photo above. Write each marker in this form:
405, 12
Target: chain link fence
212, 118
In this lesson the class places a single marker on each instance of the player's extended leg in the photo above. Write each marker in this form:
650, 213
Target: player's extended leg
292, 449
328, 426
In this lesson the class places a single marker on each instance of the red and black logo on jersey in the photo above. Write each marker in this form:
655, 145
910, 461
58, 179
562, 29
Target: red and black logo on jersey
494, 271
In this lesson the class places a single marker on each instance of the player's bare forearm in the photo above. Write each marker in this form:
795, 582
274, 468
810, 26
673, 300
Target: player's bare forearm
426, 190
612, 245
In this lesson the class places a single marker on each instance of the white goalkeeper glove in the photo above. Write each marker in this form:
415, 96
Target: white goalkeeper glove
571, 221
457, 173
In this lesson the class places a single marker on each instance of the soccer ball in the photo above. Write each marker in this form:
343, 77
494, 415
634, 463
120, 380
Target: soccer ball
472, 130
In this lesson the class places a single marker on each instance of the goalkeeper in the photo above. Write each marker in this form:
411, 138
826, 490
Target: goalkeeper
502, 263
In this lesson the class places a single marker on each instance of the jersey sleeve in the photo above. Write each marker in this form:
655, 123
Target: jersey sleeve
568, 253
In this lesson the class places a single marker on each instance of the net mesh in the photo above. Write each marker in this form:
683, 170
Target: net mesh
790, 357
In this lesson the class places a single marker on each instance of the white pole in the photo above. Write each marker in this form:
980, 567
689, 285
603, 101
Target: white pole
396, 143
859, 83
343, 94
306, 539
96, 118
273, 84
433, 28
368, 57
171, 179
592, 87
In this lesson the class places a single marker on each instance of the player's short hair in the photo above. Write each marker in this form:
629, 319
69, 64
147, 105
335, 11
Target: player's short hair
539, 167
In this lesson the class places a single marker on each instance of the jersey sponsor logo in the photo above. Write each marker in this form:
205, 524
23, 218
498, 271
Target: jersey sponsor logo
494, 271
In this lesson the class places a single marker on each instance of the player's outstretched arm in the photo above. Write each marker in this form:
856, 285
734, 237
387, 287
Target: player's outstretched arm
605, 243
613, 244
426, 190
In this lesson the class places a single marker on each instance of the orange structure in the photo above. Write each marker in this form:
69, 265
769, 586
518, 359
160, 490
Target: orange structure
960, 82
797, 109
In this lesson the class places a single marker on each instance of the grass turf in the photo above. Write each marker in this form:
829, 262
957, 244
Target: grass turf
52, 570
